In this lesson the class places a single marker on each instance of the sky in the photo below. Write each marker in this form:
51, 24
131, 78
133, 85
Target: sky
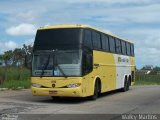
135, 20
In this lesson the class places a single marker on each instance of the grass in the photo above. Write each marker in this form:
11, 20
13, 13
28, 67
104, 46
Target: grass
16, 78
147, 80
16, 84
20, 78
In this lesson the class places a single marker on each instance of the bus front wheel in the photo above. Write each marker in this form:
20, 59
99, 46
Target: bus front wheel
55, 98
96, 91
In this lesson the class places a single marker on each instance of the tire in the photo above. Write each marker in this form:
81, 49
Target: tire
96, 91
126, 86
55, 98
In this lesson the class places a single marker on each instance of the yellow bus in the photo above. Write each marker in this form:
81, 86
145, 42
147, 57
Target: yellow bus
80, 61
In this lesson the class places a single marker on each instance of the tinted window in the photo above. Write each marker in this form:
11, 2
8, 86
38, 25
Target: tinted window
112, 44
87, 38
128, 49
132, 49
105, 45
118, 46
123, 47
87, 62
96, 40
54, 38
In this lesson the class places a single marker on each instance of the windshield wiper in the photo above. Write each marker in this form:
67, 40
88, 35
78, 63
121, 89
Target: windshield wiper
61, 71
45, 66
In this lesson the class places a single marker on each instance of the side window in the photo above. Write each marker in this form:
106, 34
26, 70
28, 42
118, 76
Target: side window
87, 38
103, 37
87, 62
123, 48
118, 46
128, 49
99, 40
112, 44
96, 40
105, 45
132, 50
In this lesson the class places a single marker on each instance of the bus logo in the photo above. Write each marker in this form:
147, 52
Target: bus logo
122, 60
53, 85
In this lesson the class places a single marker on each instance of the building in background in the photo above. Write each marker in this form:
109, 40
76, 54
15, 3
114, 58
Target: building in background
145, 70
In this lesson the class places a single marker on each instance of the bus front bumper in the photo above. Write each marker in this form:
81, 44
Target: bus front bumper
64, 92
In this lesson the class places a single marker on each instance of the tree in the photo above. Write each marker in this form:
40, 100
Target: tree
1, 59
27, 55
1, 74
7, 57
18, 54
17, 57
155, 70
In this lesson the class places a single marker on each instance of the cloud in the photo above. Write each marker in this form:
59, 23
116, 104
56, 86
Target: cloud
7, 45
110, 11
29, 42
21, 29
138, 20
144, 37
10, 44
28, 16
147, 56
114, 1
122, 15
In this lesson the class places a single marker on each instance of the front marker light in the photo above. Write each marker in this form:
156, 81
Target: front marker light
73, 85
36, 85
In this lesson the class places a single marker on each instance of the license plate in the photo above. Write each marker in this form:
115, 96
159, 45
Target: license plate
52, 92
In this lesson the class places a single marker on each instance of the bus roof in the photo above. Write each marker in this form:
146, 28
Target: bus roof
81, 26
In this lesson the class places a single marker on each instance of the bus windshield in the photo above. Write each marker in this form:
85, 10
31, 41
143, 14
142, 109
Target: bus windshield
57, 39
57, 63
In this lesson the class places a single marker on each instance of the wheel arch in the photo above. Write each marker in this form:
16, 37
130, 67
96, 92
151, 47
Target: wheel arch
98, 79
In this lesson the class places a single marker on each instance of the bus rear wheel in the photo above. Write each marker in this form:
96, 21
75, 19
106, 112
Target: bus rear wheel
126, 86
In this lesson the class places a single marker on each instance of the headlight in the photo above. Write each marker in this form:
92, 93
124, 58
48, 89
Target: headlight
36, 85
73, 85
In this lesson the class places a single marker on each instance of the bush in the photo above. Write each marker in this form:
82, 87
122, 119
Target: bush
15, 77
147, 80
